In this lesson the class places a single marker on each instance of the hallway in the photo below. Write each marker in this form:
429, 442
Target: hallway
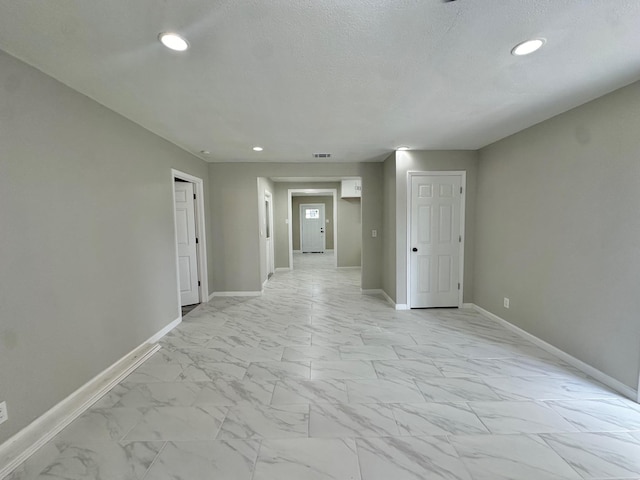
314, 380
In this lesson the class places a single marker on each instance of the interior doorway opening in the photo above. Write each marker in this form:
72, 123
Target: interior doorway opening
190, 240
313, 223
343, 221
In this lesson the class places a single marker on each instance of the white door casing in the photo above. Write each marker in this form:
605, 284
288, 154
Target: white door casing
268, 228
186, 243
435, 240
312, 228
268, 257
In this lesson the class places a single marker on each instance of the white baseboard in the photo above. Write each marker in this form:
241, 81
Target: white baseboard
602, 377
282, 269
396, 306
468, 306
372, 291
236, 294
349, 268
27, 441
165, 330
388, 299
297, 251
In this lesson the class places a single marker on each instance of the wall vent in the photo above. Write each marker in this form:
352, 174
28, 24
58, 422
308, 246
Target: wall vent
321, 155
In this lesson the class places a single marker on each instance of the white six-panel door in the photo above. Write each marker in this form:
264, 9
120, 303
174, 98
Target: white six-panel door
435, 240
312, 228
186, 238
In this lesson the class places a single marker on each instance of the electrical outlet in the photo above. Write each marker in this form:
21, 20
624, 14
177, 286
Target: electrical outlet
4, 415
374, 233
506, 302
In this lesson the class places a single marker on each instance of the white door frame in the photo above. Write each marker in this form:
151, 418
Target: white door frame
201, 246
268, 197
319, 191
324, 224
463, 180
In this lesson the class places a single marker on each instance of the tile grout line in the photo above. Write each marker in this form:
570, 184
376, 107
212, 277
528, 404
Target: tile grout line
255, 462
561, 457
155, 459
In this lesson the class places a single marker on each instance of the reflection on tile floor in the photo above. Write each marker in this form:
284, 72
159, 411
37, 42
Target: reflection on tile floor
315, 381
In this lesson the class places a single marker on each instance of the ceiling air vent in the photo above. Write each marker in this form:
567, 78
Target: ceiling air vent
321, 155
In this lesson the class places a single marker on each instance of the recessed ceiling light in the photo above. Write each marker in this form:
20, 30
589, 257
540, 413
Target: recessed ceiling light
530, 46
257, 149
402, 149
173, 41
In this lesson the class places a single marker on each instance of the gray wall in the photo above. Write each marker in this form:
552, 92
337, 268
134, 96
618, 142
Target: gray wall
234, 229
236, 265
558, 232
328, 213
87, 249
350, 232
458, 160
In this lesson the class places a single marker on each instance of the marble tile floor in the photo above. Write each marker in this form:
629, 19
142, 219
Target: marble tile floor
314, 381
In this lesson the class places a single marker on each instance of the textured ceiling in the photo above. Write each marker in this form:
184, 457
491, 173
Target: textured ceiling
355, 78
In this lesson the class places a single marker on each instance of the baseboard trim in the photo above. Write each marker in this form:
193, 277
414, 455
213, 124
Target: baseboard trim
237, 294
468, 306
372, 291
282, 269
349, 268
396, 306
602, 377
388, 299
27, 441
155, 338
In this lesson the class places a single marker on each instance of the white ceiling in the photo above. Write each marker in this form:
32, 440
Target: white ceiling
354, 78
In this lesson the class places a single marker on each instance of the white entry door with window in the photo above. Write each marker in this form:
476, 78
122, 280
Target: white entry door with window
435, 240
312, 228
186, 241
